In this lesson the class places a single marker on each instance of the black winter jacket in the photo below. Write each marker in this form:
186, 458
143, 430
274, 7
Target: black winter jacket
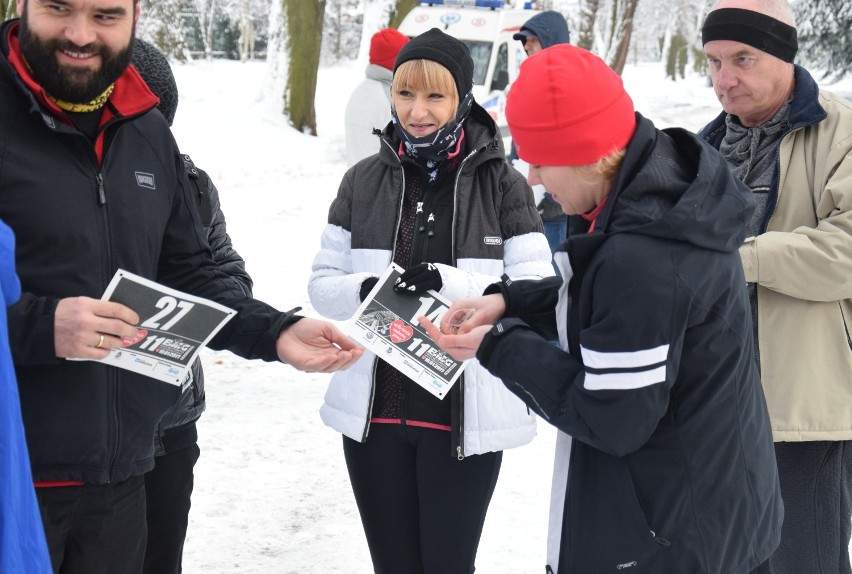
80, 212
672, 466
176, 429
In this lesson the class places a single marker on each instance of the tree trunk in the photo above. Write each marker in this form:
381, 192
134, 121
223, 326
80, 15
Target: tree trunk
588, 17
304, 38
400, 11
625, 31
7, 10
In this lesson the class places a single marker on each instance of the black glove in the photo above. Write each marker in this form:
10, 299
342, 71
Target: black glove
367, 286
418, 279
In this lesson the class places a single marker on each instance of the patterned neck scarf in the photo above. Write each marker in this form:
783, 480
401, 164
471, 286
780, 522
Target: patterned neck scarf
95, 104
429, 151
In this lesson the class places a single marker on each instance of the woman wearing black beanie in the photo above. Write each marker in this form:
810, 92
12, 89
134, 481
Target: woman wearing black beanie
439, 200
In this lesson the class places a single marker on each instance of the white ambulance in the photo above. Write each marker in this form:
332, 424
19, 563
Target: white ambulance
486, 27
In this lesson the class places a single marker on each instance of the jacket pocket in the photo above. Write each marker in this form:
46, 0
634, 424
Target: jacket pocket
608, 529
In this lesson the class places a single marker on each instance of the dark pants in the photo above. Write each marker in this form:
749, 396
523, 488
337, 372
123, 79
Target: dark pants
168, 489
422, 509
816, 485
95, 529
555, 230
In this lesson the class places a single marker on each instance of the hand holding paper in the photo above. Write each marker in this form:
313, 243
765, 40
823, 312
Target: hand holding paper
86, 328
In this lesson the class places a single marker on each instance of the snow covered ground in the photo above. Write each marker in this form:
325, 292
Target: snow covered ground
272, 495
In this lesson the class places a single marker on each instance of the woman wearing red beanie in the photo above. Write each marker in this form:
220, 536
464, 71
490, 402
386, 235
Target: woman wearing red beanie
439, 200
663, 422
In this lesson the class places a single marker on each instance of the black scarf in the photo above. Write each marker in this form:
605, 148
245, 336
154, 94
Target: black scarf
429, 151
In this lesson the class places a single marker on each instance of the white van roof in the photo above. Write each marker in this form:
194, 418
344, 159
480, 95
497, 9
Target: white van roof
480, 20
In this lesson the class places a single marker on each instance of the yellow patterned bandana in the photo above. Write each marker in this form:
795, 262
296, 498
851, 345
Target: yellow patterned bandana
95, 104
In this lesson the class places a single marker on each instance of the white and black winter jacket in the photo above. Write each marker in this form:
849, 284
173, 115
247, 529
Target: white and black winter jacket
672, 468
496, 229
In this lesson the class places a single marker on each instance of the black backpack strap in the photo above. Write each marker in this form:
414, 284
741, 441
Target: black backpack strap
200, 182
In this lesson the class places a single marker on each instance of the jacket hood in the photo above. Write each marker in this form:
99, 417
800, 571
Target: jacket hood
549, 27
672, 185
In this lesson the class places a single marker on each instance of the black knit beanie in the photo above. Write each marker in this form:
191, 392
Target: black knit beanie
154, 68
442, 48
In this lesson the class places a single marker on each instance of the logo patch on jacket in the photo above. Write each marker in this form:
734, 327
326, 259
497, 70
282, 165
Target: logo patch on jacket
493, 240
145, 180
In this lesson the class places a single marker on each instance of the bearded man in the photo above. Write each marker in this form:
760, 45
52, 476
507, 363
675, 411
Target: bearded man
90, 182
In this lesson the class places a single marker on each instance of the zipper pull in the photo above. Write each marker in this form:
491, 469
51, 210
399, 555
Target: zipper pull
459, 453
431, 225
420, 225
101, 192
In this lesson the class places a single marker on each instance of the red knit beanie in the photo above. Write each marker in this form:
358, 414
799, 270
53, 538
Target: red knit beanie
568, 107
384, 46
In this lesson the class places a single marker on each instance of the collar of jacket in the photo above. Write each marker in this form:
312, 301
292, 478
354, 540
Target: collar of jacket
480, 131
130, 97
378, 73
805, 109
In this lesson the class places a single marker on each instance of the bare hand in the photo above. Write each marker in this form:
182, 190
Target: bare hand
460, 347
86, 328
317, 346
464, 315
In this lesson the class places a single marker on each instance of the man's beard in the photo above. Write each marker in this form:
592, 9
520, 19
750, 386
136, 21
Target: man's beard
71, 84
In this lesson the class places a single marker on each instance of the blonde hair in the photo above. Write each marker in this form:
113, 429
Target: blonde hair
609, 165
425, 76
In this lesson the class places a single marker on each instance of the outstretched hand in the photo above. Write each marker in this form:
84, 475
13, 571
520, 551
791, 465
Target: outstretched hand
316, 346
460, 347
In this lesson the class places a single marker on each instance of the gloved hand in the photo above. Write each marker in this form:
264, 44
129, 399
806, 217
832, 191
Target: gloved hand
417, 279
367, 286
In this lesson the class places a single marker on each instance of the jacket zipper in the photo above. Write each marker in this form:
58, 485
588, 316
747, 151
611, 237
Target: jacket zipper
112, 381
393, 252
460, 445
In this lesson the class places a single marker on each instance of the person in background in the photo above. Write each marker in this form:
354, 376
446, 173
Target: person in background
368, 108
93, 182
791, 142
654, 390
22, 544
168, 487
439, 200
543, 30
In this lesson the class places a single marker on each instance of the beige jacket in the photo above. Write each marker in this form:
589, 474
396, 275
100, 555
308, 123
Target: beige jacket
802, 264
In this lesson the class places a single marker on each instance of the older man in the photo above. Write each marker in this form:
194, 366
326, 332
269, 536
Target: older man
791, 143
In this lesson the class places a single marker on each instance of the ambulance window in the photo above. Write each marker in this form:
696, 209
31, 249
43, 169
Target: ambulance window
500, 79
481, 54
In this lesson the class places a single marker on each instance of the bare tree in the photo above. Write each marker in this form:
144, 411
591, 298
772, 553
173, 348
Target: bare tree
304, 37
246, 31
400, 10
7, 9
162, 24
588, 19
622, 27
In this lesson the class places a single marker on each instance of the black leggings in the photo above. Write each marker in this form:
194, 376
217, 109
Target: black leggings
422, 509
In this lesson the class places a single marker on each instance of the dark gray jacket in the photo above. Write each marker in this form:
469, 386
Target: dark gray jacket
177, 427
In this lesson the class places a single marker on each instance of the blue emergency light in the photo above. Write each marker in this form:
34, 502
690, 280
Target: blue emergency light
493, 4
